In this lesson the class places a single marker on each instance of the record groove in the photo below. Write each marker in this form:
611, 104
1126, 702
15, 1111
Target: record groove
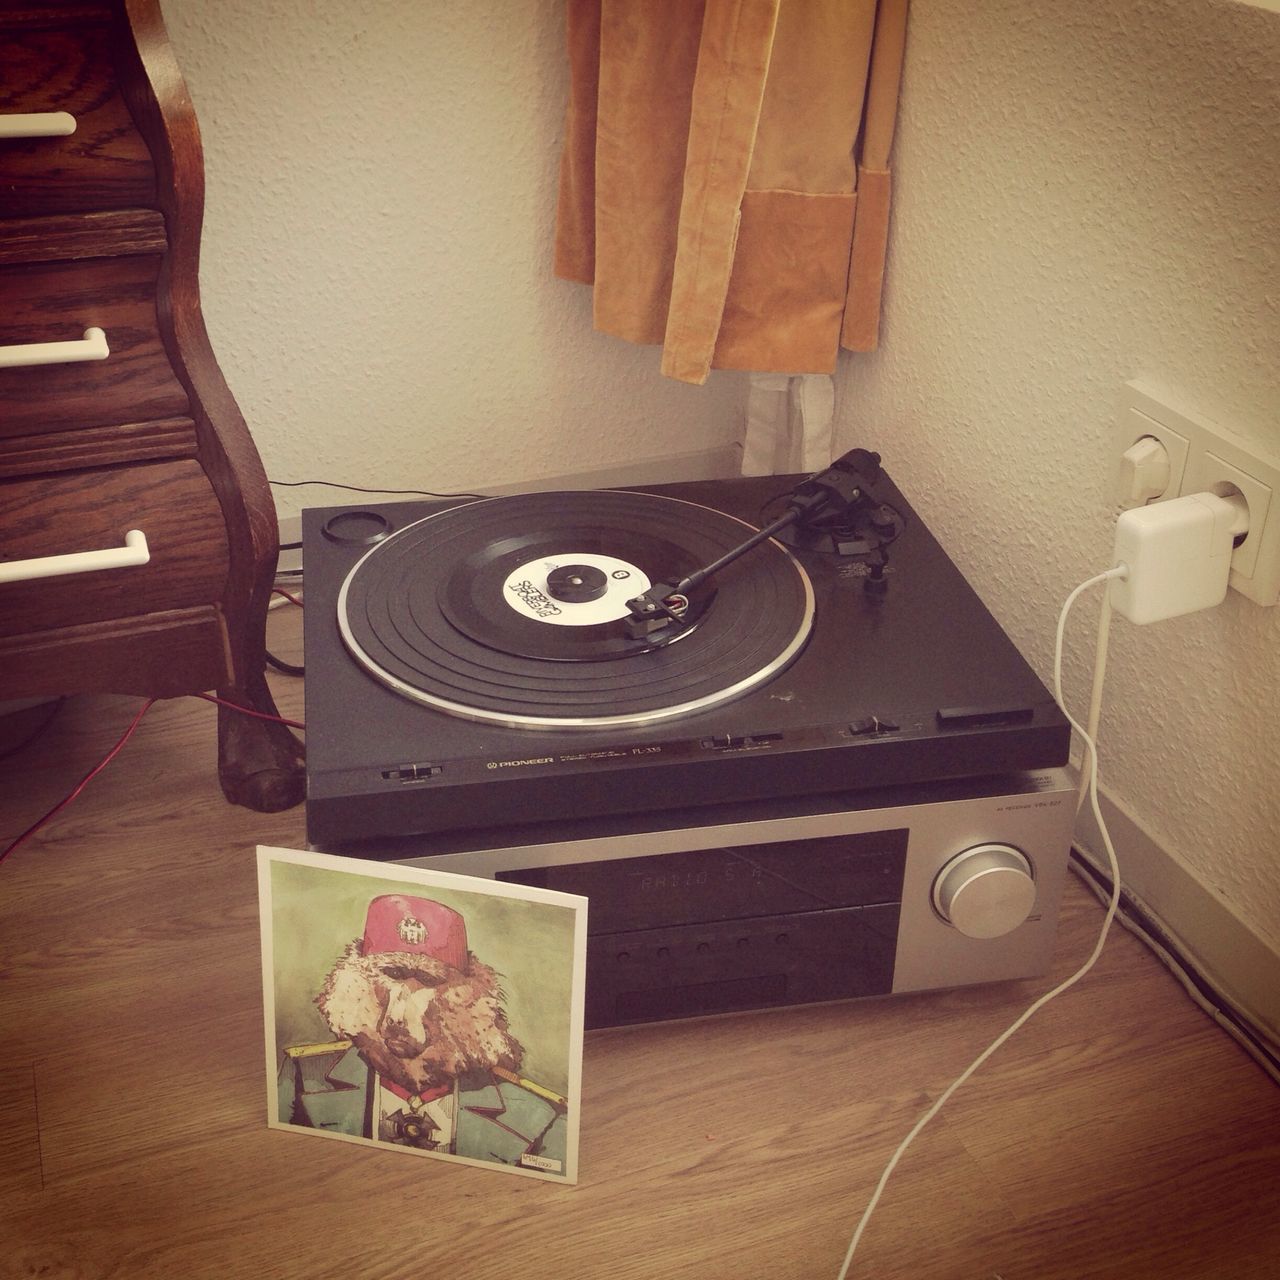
458, 610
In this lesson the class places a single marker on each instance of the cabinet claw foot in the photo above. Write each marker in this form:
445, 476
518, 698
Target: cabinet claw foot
260, 762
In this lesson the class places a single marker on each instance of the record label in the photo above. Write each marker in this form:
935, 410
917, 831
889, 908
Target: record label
551, 590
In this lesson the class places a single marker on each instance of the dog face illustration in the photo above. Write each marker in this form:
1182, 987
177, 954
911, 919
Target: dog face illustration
417, 1020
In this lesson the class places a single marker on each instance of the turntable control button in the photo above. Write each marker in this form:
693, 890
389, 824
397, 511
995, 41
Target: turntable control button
412, 772
986, 891
730, 741
872, 724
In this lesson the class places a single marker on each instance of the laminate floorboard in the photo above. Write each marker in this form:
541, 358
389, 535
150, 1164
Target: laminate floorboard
1120, 1135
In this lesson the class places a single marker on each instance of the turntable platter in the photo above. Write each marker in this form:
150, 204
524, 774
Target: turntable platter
513, 610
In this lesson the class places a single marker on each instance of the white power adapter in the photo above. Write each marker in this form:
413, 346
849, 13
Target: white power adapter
1176, 555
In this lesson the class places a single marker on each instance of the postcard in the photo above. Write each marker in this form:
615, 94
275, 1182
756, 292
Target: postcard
423, 1011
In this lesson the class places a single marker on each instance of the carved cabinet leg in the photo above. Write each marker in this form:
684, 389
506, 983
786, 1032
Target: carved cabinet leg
259, 761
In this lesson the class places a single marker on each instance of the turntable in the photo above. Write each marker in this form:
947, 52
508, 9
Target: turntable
730, 712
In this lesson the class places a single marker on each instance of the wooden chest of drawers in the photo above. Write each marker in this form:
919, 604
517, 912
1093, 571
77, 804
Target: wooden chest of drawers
137, 531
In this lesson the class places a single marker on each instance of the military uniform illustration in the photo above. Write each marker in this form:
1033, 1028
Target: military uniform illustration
423, 1056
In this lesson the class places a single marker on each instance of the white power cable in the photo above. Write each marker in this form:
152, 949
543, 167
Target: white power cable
1036, 1006
1095, 692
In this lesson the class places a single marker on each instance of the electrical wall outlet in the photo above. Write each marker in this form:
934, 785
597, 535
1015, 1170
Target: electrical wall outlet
1206, 458
1213, 474
1133, 425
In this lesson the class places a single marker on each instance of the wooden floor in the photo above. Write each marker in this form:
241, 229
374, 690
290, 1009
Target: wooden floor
1120, 1134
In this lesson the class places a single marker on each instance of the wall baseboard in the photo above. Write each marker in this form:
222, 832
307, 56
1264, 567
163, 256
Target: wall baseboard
1223, 947
705, 464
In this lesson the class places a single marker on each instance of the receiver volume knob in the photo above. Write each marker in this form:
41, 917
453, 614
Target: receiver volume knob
986, 891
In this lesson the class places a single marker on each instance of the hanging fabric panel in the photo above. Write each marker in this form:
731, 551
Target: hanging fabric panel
708, 185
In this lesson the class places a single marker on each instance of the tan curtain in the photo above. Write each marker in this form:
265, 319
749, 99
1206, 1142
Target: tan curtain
724, 185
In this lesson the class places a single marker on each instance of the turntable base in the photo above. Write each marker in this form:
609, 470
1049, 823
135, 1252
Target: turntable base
431, 708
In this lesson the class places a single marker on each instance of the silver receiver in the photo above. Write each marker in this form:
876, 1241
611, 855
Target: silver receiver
965, 888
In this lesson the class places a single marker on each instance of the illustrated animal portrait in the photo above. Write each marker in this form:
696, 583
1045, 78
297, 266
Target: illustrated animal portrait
423, 1055
419, 1008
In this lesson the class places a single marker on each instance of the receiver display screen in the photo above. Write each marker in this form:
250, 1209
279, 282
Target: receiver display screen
732, 882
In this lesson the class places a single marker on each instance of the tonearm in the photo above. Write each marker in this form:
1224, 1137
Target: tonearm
836, 492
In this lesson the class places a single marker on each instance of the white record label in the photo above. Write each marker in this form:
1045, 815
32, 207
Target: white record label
526, 590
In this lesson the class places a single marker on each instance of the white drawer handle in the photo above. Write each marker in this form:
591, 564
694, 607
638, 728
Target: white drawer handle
38, 124
134, 551
93, 346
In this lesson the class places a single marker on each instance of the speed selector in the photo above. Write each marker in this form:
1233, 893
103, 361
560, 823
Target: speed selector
986, 891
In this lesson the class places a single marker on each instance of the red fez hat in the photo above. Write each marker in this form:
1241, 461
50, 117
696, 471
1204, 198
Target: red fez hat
417, 926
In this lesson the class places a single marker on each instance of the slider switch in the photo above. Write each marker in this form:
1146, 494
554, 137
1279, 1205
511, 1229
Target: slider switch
872, 725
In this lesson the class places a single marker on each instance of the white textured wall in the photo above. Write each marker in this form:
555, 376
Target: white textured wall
1087, 194
376, 267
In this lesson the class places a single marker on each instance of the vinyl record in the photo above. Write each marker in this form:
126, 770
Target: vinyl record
513, 610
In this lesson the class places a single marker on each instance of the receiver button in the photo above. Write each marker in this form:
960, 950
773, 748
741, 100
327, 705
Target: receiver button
986, 891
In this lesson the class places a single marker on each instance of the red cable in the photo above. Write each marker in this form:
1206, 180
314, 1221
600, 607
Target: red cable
84, 782
289, 596
115, 751
257, 715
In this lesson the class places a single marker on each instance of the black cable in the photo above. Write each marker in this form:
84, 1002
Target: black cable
355, 488
291, 546
1147, 925
280, 665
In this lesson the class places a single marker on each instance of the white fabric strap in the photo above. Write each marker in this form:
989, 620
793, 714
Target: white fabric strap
813, 407
767, 417
789, 423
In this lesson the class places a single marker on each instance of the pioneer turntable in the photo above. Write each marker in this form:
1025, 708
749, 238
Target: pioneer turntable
728, 711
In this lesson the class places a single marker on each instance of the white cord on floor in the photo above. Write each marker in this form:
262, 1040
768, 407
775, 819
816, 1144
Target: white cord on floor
1092, 759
